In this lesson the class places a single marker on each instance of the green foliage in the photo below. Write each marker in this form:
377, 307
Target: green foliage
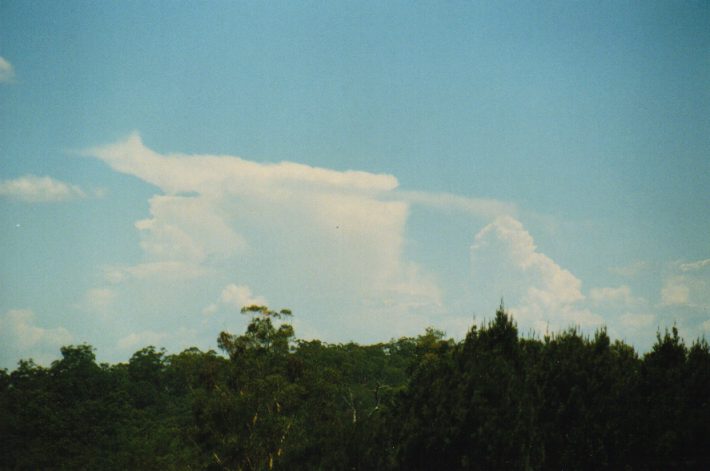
491, 401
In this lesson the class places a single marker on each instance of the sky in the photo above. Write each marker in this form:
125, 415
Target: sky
377, 167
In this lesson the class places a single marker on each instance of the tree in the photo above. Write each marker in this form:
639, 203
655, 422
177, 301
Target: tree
662, 400
424, 411
146, 370
490, 426
245, 423
697, 399
586, 411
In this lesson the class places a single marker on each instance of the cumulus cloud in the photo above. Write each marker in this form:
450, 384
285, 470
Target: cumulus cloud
188, 229
21, 337
7, 71
541, 294
545, 297
34, 189
313, 237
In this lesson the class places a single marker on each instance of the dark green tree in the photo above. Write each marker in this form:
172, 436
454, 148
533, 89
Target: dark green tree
422, 420
246, 423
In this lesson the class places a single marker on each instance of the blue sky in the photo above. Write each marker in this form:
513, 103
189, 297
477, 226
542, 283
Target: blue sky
377, 167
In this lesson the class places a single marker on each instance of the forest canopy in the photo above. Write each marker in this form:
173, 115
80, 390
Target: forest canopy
494, 400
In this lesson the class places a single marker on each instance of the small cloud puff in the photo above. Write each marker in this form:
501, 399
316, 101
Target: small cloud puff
139, 339
34, 189
675, 292
97, 300
235, 297
7, 71
688, 284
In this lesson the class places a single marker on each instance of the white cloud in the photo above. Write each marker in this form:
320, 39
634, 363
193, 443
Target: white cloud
240, 296
542, 295
187, 228
415, 290
7, 71
208, 174
34, 189
553, 283
313, 238
235, 297
21, 337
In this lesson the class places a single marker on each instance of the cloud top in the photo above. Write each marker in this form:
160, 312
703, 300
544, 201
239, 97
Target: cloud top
209, 174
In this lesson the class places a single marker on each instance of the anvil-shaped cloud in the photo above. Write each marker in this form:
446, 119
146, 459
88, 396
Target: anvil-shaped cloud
332, 242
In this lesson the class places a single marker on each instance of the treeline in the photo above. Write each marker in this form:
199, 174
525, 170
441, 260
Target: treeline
492, 401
